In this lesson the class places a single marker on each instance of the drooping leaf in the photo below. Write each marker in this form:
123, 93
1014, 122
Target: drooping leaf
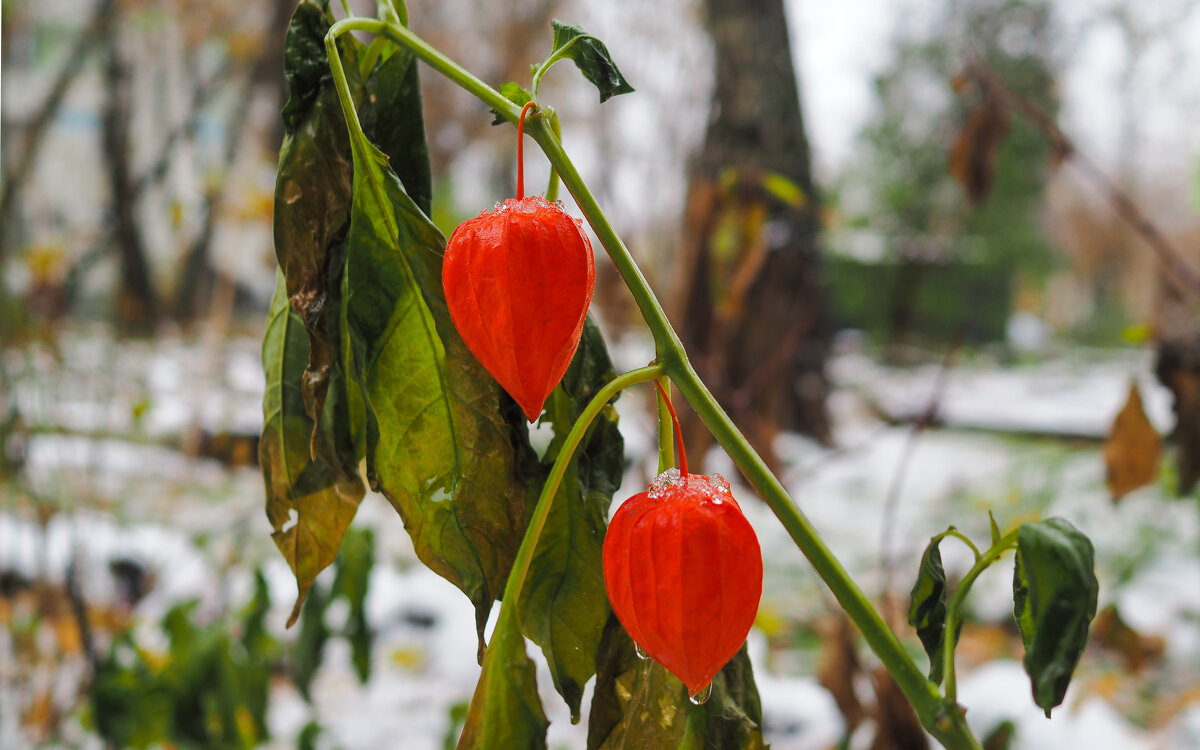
1054, 600
927, 609
516, 94
1133, 449
638, 704
564, 605
392, 118
973, 154
309, 502
505, 709
436, 445
312, 189
591, 57
304, 65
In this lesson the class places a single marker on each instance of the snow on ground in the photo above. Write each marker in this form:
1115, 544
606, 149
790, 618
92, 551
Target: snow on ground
199, 529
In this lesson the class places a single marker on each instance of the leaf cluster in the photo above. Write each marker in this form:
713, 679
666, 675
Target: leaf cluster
1054, 601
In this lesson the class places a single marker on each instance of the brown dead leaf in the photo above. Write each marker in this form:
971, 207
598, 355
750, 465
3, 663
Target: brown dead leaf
1132, 451
1114, 634
838, 669
896, 724
973, 154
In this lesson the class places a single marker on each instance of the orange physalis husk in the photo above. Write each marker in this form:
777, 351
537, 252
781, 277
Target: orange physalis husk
518, 282
683, 570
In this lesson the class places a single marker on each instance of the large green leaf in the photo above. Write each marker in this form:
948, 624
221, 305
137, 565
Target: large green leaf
310, 503
564, 605
391, 117
436, 445
927, 609
505, 711
591, 57
638, 704
1054, 600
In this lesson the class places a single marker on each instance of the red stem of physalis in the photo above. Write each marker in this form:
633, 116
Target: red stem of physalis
520, 150
683, 471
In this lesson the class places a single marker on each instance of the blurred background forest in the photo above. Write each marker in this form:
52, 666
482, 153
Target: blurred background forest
923, 252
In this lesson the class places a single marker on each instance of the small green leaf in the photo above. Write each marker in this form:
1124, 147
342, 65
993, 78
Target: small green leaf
505, 709
927, 609
638, 704
591, 57
1054, 600
995, 529
309, 502
436, 444
516, 94
564, 605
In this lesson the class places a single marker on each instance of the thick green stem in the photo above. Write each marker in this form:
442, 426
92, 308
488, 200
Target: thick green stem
954, 606
516, 579
941, 718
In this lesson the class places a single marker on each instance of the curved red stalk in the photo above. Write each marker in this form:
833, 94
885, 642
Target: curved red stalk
520, 149
678, 432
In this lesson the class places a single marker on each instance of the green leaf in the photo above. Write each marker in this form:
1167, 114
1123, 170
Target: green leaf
995, 528
638, 704
591, 57
927, 608
304, 64
564, 605
1054, 600
505, 710
436, 444
312, 190
516, 94
391, 116
309, 502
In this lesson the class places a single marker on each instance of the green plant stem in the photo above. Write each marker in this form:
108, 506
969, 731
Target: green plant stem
942, 718
541, 511
963, 538
666, 445
954, 606
556, 128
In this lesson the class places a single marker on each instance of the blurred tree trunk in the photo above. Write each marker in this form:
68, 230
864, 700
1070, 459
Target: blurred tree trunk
752, 303
136, 298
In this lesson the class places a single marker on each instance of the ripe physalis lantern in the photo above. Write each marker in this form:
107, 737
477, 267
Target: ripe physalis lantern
683, 571
518, 282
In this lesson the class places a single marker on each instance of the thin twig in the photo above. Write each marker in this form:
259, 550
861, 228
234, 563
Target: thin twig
1180, 272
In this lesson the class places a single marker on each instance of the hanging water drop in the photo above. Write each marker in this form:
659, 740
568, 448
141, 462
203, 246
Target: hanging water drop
641, 652
701, 696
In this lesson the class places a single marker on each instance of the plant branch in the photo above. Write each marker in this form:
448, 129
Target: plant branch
954, 606
541, 511
944, 720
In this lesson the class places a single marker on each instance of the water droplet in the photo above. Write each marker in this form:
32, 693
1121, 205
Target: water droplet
641, 652
701, 696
